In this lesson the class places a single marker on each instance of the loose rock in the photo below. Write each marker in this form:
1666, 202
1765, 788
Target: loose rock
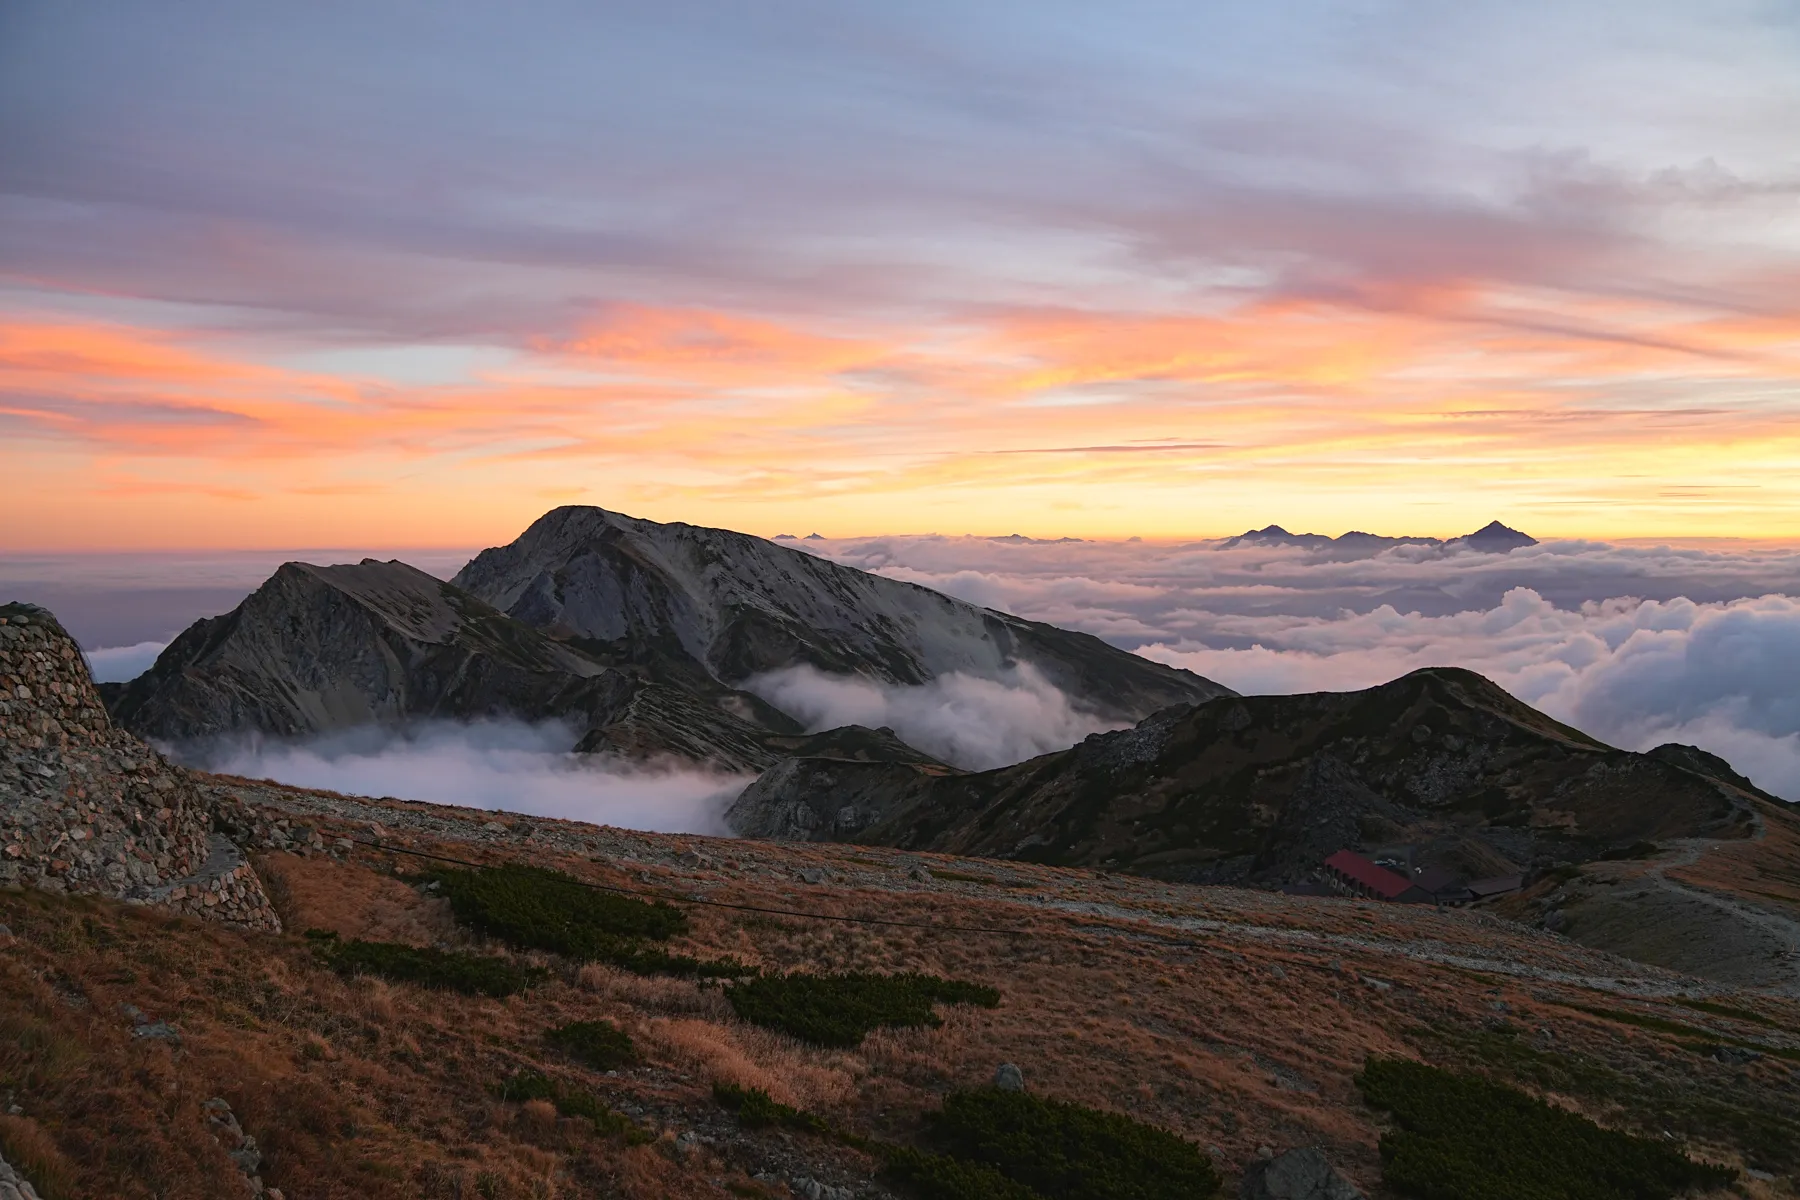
1008, 1078
13, 1184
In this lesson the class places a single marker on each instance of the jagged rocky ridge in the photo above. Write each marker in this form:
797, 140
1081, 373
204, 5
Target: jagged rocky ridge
730, 607
1259, 789
640, 635
324, 648
86, 807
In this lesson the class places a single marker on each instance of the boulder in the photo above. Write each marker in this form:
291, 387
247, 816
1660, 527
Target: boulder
1296, 1175
1008, 1078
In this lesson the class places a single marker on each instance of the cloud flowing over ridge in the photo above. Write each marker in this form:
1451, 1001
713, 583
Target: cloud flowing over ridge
969, 722
1635, 645
504, 765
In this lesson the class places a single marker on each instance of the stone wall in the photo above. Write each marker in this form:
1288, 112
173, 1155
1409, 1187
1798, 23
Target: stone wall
87, 807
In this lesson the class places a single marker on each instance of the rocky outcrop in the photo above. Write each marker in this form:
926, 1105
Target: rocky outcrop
14, 1186
730, 607
828, 799
1261, 789
86, 807
1302, 1174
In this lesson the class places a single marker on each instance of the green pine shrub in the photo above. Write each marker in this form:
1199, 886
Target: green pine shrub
756, 1109
940, 1177
572, 1102
1064, 1151
534, 908
540, 909
1462, 1137
597, 1044
839, 1010
470, 974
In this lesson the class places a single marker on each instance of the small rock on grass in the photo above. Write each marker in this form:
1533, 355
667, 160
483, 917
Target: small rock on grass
1008, 1078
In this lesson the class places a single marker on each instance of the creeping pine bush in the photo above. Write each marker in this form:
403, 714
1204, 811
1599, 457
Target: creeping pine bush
1461, 1137
471, 974
1065, 1151
597, 1044
571, 1102
533, 908
940, 1177
840, 1010
756, 1109
540, 909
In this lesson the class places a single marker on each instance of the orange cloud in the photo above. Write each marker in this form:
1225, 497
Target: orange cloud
698, 343
1452, 399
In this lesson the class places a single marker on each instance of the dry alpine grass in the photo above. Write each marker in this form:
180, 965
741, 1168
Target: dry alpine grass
1235, 1019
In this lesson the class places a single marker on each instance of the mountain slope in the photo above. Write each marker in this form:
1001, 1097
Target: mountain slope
732, 606
1263, 788
323, 648
634, 633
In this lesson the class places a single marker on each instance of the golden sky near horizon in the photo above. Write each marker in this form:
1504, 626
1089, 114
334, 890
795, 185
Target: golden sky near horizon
1073, 277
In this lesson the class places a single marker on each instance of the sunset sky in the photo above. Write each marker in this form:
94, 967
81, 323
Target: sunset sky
409, 274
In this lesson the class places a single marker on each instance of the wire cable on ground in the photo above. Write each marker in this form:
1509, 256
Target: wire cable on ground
784, 912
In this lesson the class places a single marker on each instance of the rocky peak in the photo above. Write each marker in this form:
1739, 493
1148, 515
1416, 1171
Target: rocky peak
736, 606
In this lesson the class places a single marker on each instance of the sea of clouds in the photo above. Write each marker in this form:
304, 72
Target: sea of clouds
970, 722
509, 766
1635, 644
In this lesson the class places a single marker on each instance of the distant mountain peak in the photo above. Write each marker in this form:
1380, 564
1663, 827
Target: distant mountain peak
1492, 538
1019, 539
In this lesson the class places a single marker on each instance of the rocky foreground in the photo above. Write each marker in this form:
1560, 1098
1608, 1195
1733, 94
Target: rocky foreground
86, 807
1236, 1019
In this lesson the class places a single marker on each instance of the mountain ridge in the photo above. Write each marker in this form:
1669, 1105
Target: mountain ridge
1492, 538
1259, 789
645, 637
738, 606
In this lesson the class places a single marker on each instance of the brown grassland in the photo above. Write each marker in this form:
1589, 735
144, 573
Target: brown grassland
1235, 1019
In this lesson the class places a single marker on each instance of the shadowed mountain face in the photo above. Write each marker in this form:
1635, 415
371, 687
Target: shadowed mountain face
634, 633
729, 607
324, 648
1261, 789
